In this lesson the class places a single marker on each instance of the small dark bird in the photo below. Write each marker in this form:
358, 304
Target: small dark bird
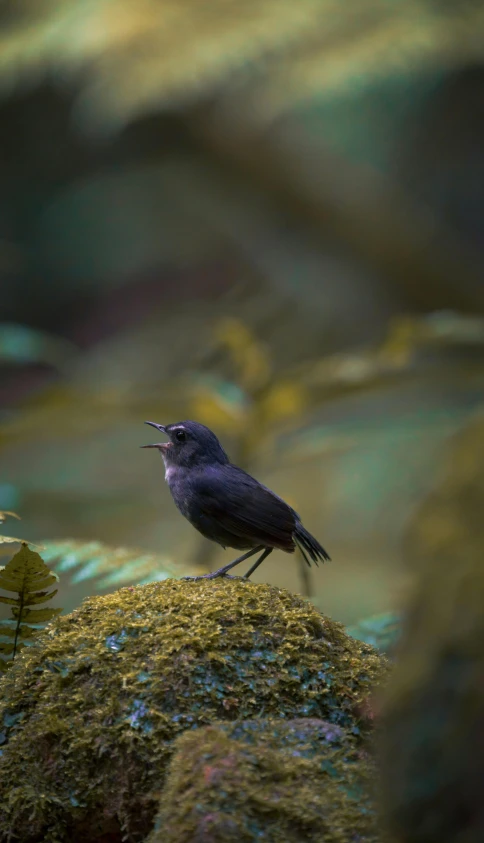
224, 503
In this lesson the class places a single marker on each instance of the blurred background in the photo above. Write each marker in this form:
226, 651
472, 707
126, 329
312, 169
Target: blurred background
265, 216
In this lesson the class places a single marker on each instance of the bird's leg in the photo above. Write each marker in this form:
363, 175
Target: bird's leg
258, 562
223, 571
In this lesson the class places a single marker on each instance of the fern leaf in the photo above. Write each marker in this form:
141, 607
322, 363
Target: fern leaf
36, 584
111, 566
11, 584
14, 540
11, 631
28, 576
41, 597
10, 601
35, 615
4, 514
10, 540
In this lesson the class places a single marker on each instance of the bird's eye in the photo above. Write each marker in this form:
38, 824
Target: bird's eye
180, 436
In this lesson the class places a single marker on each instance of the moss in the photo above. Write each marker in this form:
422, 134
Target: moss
433, 718
91, 711
277, 781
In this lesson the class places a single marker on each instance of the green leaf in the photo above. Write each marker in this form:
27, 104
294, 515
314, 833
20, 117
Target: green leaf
28, 576
41, 597
23, 631
36, 615
10, 601
24, 571
36, 583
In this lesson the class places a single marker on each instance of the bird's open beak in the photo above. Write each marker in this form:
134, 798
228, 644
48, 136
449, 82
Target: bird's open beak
162, 446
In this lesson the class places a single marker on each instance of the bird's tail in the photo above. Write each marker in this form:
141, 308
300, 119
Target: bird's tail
308, 545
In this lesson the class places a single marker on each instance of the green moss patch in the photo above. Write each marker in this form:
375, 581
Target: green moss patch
277, 781
89, 713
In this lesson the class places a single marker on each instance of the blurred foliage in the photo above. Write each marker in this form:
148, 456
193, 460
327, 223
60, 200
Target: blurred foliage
111, 567
4, 514
433, 719
381, 631
448, 524
255, 404
26, 575
191, 50
20, 344
236, 67
251, 399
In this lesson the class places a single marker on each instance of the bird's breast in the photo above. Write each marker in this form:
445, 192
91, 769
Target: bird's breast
179, 486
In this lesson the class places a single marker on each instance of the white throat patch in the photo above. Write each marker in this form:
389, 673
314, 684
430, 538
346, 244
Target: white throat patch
169, 472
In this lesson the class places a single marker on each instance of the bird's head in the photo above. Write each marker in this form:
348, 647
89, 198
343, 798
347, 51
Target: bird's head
190, 444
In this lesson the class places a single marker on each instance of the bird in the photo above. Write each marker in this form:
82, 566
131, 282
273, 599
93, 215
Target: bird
224, 503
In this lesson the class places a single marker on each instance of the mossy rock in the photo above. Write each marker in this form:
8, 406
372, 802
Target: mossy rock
90, 711
272, 780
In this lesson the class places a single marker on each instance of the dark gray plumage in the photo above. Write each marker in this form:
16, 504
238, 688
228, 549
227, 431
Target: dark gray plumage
224, 503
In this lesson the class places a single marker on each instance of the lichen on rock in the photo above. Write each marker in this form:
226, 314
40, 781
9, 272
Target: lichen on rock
272, 780
89, 713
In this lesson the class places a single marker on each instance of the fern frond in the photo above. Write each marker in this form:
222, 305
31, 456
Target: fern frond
111, 566
4, 514
28, 577
15, 540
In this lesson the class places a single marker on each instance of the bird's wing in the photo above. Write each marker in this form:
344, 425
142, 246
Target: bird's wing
239, 504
